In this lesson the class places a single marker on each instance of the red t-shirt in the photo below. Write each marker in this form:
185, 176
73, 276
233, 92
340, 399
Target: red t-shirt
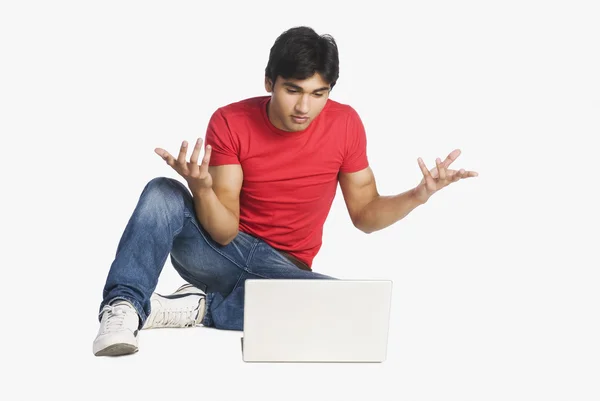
290, 178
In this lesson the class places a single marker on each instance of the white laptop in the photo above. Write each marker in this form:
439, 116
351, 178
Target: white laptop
304, 320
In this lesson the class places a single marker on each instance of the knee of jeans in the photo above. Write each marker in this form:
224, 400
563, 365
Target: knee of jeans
165, 194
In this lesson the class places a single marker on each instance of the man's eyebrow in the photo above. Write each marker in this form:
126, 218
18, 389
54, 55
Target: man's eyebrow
291, 85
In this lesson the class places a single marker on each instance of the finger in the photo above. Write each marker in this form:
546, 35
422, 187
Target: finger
182, 153
466, 174
441, 169
166, 156
451, 157
456, 176
423, 168
428, 178
196, 151
206, 159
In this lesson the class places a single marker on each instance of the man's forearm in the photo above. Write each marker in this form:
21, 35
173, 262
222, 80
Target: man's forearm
220, 222
384, 211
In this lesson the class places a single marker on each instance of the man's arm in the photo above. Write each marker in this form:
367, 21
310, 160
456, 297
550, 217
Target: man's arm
371, 212
368, 210
218, 208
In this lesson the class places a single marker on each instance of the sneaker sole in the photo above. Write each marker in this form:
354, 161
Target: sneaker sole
117, 349
182, 293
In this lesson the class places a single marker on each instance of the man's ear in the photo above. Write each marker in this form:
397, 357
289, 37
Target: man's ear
268, 84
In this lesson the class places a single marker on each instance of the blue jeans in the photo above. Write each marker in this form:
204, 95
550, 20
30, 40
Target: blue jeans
164, 223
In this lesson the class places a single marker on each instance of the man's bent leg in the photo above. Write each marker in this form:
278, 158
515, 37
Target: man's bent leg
162, 221
144, 246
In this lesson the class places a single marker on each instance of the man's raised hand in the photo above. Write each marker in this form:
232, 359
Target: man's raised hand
439, 177
197, 176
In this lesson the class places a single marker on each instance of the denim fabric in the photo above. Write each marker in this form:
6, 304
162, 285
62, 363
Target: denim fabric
163, 225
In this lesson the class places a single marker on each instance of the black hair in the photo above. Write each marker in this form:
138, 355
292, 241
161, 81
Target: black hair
300, 52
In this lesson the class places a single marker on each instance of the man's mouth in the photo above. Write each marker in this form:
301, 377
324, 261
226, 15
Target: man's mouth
299, 120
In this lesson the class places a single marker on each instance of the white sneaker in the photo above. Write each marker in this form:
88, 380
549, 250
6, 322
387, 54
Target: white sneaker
183, 308
118, 330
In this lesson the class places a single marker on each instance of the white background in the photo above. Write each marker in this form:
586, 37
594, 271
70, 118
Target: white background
495, 279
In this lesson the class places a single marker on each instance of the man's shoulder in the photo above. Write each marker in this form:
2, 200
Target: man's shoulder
338, 109
242, 107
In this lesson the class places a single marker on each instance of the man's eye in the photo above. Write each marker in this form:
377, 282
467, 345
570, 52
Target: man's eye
292, 91
318, 94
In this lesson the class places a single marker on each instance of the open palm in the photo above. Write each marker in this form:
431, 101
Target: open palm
196, 175
440, 176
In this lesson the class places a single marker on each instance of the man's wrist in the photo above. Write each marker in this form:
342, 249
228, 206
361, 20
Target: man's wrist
202, 192
417, 201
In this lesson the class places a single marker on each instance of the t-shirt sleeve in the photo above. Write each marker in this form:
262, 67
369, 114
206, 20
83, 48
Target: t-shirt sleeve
225, 147
355, 156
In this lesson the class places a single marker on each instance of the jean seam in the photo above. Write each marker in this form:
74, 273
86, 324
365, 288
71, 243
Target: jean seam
174, 183
238, 282
251, 253
207, 320
177, 232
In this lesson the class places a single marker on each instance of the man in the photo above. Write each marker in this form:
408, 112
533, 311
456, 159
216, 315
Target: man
256, 203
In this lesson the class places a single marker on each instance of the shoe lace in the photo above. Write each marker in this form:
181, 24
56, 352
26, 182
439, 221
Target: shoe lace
184, 317
116, 317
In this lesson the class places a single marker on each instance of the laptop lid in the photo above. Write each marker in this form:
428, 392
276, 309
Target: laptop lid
303, 320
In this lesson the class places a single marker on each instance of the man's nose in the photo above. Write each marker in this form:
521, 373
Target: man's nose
303, 106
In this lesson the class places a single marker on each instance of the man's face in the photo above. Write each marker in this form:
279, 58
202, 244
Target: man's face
296, 103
